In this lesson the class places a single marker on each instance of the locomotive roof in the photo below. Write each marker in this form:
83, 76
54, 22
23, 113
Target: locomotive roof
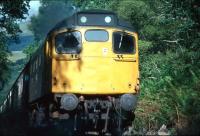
94, 16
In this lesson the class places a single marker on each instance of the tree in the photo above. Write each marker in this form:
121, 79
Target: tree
10, 13
50, 13
96, 4
30, 49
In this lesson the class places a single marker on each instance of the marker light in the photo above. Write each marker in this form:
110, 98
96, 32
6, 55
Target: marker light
83, 19
107, 19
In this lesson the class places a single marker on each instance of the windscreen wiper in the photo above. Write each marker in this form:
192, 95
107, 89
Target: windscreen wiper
120, 43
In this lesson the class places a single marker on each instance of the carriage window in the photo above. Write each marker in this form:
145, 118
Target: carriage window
68, 42
123, 43
96, 36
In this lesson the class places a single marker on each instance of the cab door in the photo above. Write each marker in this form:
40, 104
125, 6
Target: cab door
125, 61
66, 61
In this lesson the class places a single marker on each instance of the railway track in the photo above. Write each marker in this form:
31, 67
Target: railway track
10, 126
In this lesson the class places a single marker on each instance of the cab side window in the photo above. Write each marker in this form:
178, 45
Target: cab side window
123, 43
68, 43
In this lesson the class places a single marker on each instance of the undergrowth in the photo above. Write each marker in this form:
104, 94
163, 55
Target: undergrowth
169, 92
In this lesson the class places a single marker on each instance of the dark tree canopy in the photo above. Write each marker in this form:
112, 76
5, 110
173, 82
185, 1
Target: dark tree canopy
50, 13
11, 11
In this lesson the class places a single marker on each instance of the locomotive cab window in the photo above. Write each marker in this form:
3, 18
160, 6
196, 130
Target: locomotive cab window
68, 42
123, 43
96, 35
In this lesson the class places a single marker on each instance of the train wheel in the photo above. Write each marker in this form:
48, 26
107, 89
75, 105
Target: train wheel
119, 130
37, 118
32, 117
119, 124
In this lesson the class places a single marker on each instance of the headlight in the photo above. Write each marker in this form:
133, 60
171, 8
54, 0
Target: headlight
128, 102
69, 102
108, 19
83, 19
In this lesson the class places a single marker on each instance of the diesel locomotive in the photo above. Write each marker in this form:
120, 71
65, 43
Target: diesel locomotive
87, 71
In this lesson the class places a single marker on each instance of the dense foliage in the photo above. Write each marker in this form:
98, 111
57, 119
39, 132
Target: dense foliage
10, 13
169, 32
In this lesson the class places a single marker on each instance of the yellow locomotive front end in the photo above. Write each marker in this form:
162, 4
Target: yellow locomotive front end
94, 69
107, 62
